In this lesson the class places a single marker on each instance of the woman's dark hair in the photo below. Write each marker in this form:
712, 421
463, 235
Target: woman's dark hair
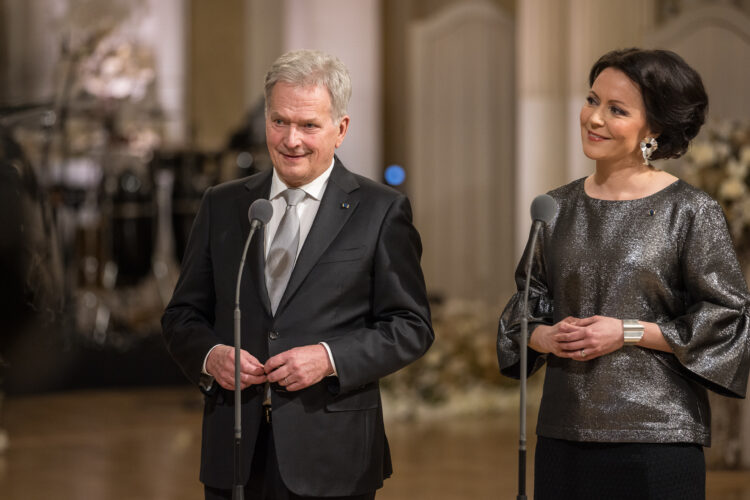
673, 93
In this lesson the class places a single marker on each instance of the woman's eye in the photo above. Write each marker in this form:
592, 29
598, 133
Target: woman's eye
591, 101
618, 111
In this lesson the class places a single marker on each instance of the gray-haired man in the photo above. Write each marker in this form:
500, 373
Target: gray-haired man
333, 299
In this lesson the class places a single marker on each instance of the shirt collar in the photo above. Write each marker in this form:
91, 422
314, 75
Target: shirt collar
313, 189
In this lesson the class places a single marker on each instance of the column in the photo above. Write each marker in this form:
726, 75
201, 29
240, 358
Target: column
350, 31
542, 66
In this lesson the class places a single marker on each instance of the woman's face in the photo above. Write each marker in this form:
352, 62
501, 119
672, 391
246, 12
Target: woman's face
613, 119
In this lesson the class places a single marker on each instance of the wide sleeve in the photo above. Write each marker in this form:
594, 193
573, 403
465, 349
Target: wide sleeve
540, 313
712, 339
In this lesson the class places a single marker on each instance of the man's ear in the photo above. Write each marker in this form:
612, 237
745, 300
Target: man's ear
343, 127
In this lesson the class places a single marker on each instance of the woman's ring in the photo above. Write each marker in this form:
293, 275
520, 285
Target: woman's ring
286, 381
583, 353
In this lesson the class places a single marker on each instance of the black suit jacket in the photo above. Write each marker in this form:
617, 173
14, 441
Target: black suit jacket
357, 285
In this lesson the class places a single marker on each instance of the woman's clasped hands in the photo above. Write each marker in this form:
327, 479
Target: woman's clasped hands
581, 339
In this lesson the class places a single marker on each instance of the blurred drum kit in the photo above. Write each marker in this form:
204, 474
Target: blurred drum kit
120, 212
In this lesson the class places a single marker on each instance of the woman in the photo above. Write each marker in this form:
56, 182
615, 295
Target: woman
637, 303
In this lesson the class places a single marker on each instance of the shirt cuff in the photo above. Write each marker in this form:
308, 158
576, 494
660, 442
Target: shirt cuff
330, 357
203, 368
206, 380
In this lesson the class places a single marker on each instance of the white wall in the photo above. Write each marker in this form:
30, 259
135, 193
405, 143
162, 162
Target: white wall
350, 30
165, 30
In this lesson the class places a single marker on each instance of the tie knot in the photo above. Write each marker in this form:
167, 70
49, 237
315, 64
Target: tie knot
292, 196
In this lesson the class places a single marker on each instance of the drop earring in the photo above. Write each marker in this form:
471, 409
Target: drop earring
648, 146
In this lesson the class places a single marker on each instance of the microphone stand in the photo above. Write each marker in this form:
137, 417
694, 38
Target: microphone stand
238, 489
524, 362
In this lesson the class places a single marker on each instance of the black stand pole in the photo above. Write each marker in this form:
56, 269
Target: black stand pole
260, 213
524, 362
238, 489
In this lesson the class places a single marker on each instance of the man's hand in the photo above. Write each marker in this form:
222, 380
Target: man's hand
220, 365
300, 367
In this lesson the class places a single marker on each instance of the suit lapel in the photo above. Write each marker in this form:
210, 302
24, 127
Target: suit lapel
339, 202
258, 186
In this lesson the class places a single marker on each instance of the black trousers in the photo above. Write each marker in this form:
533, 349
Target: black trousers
265, 481
644, 471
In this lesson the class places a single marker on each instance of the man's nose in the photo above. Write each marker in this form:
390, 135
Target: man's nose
292, 138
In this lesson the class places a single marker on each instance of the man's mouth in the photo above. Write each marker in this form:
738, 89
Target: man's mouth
293, 156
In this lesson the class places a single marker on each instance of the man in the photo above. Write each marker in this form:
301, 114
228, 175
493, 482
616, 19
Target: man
333, 299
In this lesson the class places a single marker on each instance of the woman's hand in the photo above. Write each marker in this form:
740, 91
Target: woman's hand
580, 339
544, 338
591, 337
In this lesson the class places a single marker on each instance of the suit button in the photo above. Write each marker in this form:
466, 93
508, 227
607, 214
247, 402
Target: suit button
273, 335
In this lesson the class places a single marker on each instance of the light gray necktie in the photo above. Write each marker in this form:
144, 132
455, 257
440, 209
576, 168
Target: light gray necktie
283, 250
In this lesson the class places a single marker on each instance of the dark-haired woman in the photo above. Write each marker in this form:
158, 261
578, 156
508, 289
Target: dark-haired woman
637, 302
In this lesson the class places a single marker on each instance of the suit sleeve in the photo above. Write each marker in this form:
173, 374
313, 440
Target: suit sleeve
187, 323
400, 330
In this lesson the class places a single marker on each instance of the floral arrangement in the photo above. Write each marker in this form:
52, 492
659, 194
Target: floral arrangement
459, 374
118, 68
718, 162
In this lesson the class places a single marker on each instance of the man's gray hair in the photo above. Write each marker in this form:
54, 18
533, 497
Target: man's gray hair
311, 68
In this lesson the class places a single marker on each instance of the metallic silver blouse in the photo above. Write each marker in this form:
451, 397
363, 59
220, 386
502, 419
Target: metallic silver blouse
666, 258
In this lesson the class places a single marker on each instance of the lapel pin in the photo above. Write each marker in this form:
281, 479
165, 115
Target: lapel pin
651, 212
344, 205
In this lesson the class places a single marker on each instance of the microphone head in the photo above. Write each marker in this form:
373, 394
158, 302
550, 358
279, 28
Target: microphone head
261, 210
543, 208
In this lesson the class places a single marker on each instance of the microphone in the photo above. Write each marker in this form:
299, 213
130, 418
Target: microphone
259, 213
543, 210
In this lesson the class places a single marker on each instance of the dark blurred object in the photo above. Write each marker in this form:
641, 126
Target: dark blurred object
246, 152
133, 224
3, 432
31, 272
193, 173
31, 288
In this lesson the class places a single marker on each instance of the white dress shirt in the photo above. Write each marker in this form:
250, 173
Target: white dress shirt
307, 209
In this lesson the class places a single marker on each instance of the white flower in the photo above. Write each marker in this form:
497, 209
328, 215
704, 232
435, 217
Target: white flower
702, 154
732, 189
737, 169
723, 129
745, 156
723, 151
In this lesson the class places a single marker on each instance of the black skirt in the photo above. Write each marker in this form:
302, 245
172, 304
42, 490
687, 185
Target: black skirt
610, 471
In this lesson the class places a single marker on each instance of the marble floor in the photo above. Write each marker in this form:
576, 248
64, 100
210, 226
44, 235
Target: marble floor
132, 444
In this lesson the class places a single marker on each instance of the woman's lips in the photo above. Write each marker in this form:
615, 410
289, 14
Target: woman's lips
595, 137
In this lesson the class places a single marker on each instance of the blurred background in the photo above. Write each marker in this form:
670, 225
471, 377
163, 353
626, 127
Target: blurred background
116, 115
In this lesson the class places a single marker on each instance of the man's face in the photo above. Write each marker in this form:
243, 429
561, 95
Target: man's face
300, 132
